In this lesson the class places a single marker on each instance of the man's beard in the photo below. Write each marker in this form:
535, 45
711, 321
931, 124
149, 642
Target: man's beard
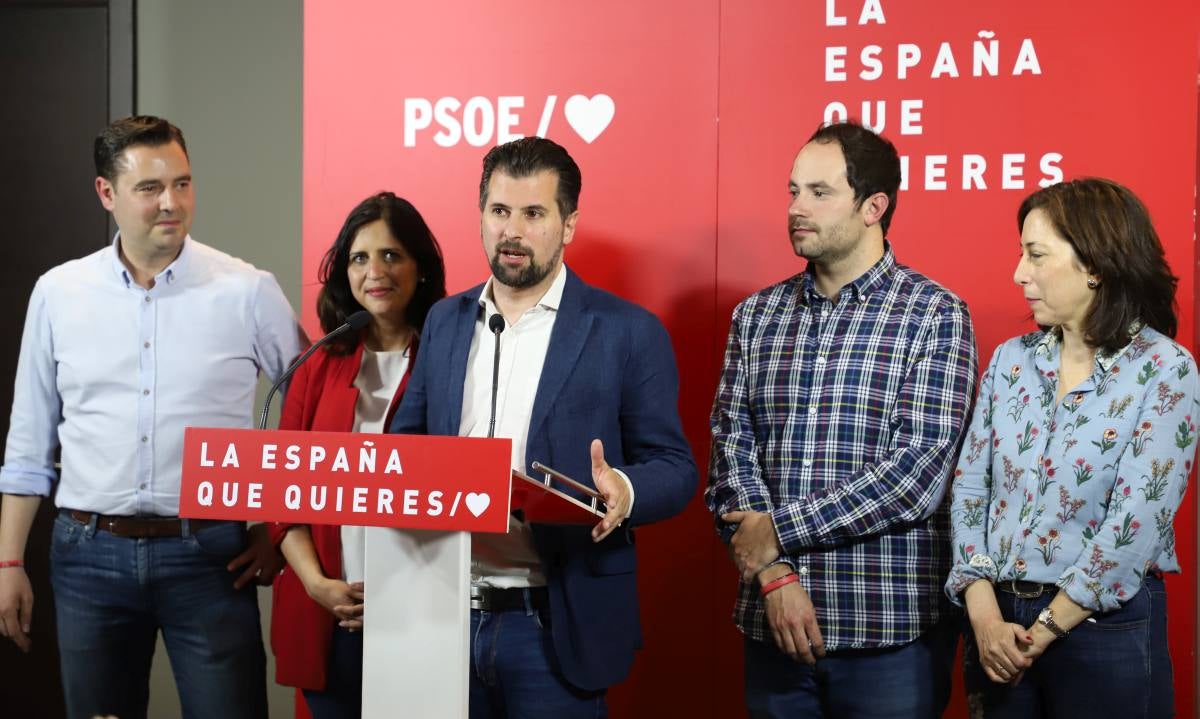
524, 277
827, 245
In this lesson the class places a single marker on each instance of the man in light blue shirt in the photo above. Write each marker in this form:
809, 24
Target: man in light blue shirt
121, 350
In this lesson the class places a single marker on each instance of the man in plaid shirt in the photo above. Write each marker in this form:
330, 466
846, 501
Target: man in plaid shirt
842, 402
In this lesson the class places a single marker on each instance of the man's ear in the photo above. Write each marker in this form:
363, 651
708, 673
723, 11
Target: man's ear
105, 191
874, 208
569, 227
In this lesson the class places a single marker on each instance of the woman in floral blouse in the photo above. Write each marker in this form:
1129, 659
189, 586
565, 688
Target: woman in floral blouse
1076, 460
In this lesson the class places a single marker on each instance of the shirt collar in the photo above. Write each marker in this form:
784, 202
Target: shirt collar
873, 279
551, 300
169, 274
1048, 347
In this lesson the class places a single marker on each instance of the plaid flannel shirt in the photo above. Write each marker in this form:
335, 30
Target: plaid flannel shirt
843, 421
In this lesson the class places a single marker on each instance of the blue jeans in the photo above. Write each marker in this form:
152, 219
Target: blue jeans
907, 682
1113, 665
514, 673
342, 696
113, 594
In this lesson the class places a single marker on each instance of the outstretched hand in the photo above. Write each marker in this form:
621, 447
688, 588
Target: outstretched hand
612, 488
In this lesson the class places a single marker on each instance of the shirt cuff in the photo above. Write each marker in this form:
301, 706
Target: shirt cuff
793, 536
17, 480
628, 484
963, 575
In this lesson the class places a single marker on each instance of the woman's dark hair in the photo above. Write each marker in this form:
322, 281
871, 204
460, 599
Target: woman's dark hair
1113, 237
336, 302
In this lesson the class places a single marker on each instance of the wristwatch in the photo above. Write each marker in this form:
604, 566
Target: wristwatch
1046, 619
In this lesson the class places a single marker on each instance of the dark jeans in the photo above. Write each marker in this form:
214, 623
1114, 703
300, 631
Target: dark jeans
342, 697
514, 673
1112, 665
906, 682
113, 594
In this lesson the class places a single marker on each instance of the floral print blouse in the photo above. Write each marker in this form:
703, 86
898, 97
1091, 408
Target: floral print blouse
1080, 493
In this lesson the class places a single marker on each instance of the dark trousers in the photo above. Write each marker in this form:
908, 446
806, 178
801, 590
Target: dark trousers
514, 673
1114, 664
342, 696
906, 682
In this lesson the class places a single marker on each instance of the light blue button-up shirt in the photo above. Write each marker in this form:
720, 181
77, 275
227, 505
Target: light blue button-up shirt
113, 372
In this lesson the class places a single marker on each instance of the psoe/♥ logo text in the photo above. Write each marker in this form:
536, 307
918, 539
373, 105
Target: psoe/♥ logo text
483, 121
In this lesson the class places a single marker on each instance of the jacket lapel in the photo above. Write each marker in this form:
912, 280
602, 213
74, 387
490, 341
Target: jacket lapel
567, 340
460, 348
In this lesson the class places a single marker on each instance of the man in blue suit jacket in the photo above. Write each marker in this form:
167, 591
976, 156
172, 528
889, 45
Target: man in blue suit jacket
585, 378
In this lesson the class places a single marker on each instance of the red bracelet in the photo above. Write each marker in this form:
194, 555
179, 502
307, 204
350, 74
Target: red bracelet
11, 563
777, 583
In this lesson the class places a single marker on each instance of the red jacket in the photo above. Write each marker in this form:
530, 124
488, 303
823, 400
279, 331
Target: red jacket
321, 397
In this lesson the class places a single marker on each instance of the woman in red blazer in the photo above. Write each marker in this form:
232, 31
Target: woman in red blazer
385, 260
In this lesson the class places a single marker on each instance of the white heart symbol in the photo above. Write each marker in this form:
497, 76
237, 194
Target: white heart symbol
590, 116
478, 503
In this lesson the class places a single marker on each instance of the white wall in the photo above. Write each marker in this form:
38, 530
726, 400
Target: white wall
228, 73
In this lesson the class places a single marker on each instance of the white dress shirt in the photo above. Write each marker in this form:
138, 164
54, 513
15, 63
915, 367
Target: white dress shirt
379, 374
113, 372
510, 560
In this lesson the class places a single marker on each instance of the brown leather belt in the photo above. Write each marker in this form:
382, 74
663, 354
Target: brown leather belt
142, 527
491, 599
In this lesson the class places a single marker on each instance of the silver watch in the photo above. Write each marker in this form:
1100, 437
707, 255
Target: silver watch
1046, 619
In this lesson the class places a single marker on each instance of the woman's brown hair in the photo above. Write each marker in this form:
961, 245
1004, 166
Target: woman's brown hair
1113, 237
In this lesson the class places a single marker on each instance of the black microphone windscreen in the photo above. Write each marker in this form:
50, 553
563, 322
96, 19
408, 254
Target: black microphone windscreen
359, 319
496, 323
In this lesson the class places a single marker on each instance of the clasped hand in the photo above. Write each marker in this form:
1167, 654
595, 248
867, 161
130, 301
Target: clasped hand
755, 544
343, 600
1006, 650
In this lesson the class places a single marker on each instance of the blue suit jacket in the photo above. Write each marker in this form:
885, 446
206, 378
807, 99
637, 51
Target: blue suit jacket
609, 374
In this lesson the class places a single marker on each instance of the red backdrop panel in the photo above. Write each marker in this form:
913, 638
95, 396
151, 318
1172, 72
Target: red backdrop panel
647, 227
686, 216
1113, 94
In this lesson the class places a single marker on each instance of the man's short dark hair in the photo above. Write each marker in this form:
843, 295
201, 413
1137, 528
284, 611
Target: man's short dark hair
872, 164
529, 156
127, 132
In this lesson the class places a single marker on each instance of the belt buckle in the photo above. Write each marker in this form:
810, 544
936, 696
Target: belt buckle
1026, 595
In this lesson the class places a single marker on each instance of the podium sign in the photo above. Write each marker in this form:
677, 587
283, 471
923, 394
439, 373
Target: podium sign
382, 480
416, 643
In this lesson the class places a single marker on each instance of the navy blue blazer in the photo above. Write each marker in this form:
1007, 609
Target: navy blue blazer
609, 374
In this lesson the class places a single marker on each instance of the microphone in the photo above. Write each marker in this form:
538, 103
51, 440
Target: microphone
356, 321
496, 325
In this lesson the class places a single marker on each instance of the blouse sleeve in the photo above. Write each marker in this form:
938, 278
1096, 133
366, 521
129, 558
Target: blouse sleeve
971, 492
1153, 468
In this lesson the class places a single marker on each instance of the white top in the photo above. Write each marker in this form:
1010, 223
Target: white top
113, 372
379, 376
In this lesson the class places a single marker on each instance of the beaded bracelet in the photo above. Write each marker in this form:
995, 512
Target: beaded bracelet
11, 563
